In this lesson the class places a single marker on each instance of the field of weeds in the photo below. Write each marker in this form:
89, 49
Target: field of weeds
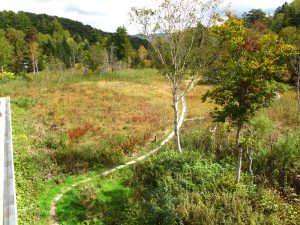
68, 124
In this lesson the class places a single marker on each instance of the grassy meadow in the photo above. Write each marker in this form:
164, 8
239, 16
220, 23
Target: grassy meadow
67, 127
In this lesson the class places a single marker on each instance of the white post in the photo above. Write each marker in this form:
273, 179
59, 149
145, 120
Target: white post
2, 137
8, 203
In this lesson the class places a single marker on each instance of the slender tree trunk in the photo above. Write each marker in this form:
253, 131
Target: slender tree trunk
33, 66
176, 128
36, 66
112, 59
298, 88
250, 160
240, 153
2, 69
32, 59
33, 63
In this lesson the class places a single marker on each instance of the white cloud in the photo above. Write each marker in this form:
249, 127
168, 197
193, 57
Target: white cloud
107, 15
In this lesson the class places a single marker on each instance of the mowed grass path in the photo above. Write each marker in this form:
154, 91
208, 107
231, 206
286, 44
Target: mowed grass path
66, 124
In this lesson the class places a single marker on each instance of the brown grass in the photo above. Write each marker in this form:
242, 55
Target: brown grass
95, 111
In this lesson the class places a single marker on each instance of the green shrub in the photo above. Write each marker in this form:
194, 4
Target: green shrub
276, 210
185, 189
262, 127
54, 141
161, 184
281, 165
6, 76
88, 200
213, 142
27, 77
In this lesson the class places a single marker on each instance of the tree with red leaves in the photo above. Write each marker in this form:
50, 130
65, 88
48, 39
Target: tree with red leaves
249, 75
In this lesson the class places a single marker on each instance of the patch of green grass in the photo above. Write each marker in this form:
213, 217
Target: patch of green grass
47, 78
27, 171
107, 205
23, 102
46, 198
145, 76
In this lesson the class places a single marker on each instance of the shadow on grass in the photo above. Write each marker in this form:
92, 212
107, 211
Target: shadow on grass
109, 208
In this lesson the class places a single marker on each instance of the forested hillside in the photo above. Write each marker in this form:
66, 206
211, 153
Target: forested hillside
31, 42
285, 21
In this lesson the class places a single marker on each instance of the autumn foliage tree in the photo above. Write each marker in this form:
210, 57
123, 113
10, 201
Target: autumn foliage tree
249, 75
31, 39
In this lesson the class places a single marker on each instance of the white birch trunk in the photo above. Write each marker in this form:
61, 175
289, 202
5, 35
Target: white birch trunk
33, 62
36, 66
176, 116
250, 161
33, 67
240, 154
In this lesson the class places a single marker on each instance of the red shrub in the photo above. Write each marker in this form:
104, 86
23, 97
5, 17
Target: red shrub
129, 144
76, 133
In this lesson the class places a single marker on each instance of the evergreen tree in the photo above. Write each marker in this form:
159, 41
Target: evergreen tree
123, 48
253, 15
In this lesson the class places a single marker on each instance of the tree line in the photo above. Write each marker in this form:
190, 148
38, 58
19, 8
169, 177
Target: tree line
31, 42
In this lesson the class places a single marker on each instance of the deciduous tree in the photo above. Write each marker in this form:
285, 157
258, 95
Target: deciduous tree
250, 70
170, 29
5, 52
31, 39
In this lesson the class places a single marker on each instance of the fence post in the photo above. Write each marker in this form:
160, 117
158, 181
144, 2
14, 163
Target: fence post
8, 203
2, 138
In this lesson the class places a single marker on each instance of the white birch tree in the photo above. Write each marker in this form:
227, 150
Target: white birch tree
170, 30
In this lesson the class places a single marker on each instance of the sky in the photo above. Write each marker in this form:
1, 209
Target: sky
107, 15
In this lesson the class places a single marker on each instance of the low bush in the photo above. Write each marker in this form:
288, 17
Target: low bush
276, 210
89, 202
215, 141
280, 167
185, 189
6, 76
262, 127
